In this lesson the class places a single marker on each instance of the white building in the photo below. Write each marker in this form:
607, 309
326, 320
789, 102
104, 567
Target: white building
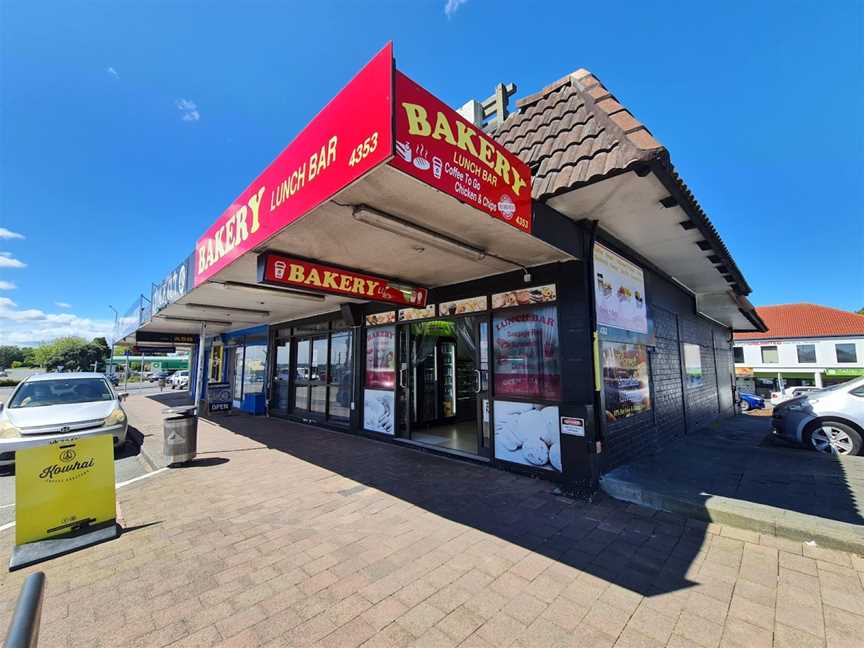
805, 344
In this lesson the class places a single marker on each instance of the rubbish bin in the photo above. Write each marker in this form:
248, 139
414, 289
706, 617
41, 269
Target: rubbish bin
180, 434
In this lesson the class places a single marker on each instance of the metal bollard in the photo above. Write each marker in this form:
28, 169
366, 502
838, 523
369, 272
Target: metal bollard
24, 628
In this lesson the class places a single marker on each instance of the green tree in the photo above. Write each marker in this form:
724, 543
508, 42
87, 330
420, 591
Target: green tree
10, 354
860, 311
30, 357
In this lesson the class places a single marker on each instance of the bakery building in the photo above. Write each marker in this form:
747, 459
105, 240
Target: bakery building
533, 287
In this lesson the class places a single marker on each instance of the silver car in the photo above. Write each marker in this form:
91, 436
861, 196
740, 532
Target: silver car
60, 406
830, 420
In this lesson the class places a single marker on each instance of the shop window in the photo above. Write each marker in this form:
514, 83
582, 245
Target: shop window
301, 388
340, 376
281, 376
525, 353
237, 354
806, 353
626, 382
770, 355
738, 354
846, 352
254, 368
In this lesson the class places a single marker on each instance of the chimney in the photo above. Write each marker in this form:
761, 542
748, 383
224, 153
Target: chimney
488, 114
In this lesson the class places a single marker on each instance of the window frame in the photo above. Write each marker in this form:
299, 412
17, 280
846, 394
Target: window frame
736, 349
798, 348
854, 356
776, 349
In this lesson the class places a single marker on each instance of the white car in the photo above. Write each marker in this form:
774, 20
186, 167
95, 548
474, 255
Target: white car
829, 420
61, 406
789, 393
179, 379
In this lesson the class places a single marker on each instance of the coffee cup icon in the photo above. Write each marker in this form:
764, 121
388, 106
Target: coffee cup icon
436, 166
279, 269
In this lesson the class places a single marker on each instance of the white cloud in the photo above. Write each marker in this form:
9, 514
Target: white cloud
188, 110
9, 234
31, 326
452, 7
7, 285
62, 305
8, 261
113, 72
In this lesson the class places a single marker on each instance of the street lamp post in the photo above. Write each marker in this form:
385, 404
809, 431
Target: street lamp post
113, 341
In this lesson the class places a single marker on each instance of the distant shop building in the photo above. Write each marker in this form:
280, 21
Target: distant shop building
805, 344
536, 290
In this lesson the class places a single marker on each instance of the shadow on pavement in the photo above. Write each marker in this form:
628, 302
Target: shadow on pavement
739, 459
137, 527
132, 447
640, 549
200, 463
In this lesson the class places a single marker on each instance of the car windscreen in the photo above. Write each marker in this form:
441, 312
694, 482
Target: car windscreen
40, 393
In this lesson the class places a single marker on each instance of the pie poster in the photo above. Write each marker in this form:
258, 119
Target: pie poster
619, 289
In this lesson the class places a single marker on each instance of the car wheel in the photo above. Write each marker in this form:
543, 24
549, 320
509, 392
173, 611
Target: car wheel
833, 437
745, 406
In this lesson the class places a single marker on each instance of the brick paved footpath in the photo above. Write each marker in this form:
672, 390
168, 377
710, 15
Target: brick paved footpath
292, 536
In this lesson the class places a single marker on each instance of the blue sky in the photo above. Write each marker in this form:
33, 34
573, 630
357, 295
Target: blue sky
126, 128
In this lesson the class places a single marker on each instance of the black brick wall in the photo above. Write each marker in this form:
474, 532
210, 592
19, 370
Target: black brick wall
676, 409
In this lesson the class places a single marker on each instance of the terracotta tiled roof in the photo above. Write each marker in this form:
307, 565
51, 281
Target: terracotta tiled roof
575, 132
805, 320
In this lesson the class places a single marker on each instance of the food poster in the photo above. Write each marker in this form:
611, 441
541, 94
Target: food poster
462, 306
378, 411
528, 434
381, 357
524, 296
525, 352
626, 383
619, 289
377, 319
693, 365
409, 314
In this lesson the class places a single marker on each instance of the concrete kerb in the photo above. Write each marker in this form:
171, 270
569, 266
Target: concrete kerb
760, 518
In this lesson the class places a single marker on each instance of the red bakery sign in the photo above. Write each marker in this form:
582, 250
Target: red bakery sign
351, 136
280, 270
437, 146
380, 116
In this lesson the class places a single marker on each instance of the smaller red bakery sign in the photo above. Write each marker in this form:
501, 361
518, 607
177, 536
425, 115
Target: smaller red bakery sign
279, 270
437, 146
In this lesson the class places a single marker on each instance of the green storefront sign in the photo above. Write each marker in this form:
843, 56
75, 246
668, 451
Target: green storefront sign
845, 371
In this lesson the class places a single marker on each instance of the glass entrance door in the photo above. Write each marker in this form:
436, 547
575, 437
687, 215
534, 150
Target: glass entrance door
439, 384
323, 376
281, 390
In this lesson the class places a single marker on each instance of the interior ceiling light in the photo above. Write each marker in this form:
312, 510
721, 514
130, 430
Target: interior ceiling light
228, 309
379, 219
273, 290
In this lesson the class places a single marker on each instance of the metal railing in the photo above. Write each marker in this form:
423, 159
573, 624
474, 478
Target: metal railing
24, 628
